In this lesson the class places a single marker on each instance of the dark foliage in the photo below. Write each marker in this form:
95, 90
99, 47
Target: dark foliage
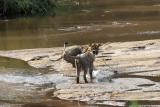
26, 7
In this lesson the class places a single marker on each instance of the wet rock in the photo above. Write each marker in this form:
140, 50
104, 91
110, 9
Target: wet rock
136, 96
111, 103
102, 90
14, 92
10, 105
138, 48
28, 89
38, 58
132, 80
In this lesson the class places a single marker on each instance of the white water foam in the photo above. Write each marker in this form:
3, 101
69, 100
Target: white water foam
148, 32
102, 75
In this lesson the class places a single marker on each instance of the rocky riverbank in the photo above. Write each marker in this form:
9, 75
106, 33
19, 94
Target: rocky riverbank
137, 63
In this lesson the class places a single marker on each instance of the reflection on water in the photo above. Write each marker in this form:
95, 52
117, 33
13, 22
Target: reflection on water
15, 66
13, 63
93, 21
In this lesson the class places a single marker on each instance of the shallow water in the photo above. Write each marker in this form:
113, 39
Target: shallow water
17, 67
13, 63
24, 86
91, 21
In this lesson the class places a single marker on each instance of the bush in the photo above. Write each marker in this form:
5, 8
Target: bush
26, 7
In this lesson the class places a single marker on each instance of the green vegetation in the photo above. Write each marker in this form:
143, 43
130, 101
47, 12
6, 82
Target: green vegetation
134, 104
66, 6
14, 8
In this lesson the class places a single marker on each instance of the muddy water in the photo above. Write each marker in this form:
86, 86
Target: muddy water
91, 21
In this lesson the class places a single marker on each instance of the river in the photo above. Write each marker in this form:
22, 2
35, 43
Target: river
92, 21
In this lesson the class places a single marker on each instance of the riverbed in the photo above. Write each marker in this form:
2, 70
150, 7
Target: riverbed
137, 64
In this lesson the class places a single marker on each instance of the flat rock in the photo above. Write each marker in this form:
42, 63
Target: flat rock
105, 90
137, 63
